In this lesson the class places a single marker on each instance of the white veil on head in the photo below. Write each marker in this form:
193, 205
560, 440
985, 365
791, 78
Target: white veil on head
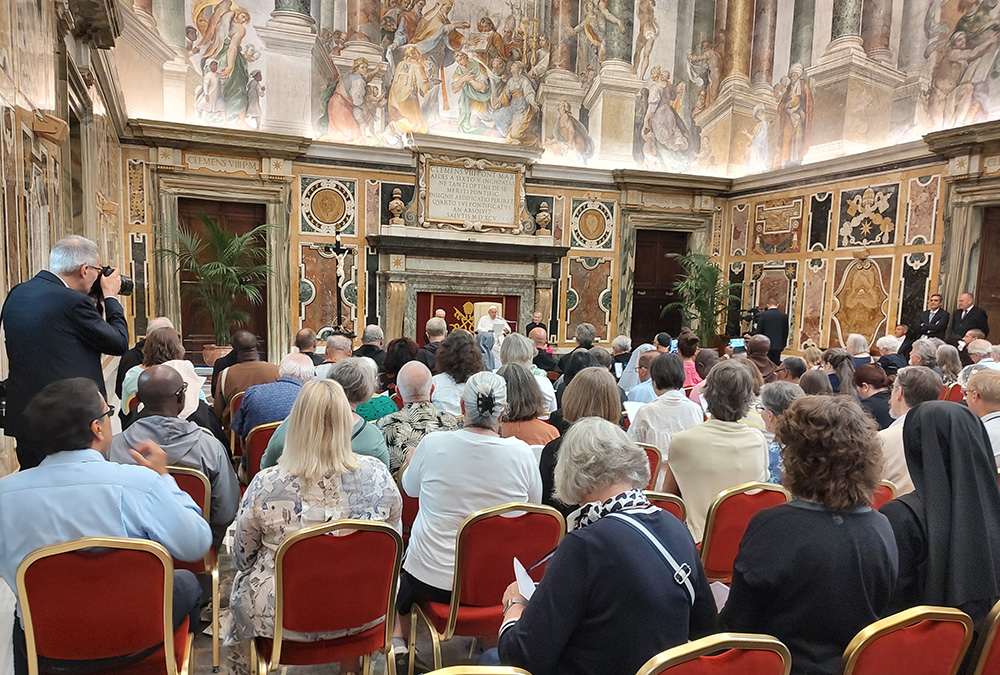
630, 377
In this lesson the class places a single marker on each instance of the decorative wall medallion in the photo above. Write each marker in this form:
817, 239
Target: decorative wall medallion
868, 216
328, 206
136, 192
861, 297
592, 224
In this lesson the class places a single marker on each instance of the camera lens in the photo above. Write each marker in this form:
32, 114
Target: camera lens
127, 285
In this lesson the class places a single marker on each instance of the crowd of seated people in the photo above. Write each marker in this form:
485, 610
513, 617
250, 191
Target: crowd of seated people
453, 423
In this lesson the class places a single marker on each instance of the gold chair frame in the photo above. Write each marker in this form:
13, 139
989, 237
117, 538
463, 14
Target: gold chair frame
986, 639
246, 446
893, 490
668, 497
716, 643
117, 543
723, 496
232, 412
210, 568
659, 463
907, 617
479, 670
257, 664
456, 588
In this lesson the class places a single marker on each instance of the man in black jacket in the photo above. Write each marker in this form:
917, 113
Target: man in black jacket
968, 316
54, 332
371, 345
773, 323
933, 321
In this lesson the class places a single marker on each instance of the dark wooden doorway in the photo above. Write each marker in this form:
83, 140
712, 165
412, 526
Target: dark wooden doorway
987, 290
654, 278
235, 217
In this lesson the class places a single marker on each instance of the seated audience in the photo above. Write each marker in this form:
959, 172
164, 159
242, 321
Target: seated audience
486, 342
574, 364
687, 347
602, 356
601, 607
592, 393
455, 474
338, 347
75, 493
305, 342
791, 369
435, 331
948, 528
813, 357
524, 406
720, 453
890, 361
671, 411
317, 480
543, 358
355, 378
753, 418
161, 391
397, 353
982, 393
621, 350
873, 390
643, 391
536, 322
815, 571
924, 353
661, 342
221, 364
458, 359
630, 377
816, 382
371, 345
585, 336
840, 368
913, 385
272, 402
857, 349
418, 417
133, 357
704, 361
775, 397
163, 346
757, 348
245, 373
379, 405
949, 362
518, 349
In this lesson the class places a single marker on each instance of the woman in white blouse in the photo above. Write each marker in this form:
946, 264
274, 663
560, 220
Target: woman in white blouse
458, 358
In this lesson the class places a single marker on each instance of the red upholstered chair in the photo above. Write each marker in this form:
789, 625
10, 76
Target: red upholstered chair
723, 654
410, 506
197, 485
728, 517
333, 577
235, 442
132, 404
988, 647
655, 459
78, 604
918, 641
954, 393
479, 670
487, 543
668, 502
885, 492
257, 441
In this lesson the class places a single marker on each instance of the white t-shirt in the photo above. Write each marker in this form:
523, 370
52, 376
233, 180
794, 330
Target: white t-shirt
992, 424
447, 394
455, 474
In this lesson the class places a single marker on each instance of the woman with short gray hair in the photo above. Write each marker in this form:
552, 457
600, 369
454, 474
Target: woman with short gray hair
774, 401
518, 349
605, 586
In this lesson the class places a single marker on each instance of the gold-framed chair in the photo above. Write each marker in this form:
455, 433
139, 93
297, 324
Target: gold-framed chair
723, 654
199, 488
78, 605
235, 442
670, 503
486, 544
655, 458
411, 505
885, 492
479, 670
988, 647
921, 639
256, 446
360, 569
727, 520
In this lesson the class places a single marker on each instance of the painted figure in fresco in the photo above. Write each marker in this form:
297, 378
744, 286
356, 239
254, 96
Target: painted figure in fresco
338, 42
255, 90
594, 26
666, 138
472, 84
959, 91
345, 109
436, 38
646, 35
409, 84
368, 13
387, 29
709, 63
516, 108
758, 150
795, 111
541, 58
190, 40
222, 25
488, 41
208, 98
572, 135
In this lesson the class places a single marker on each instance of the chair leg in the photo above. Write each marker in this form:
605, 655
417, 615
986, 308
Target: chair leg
413, 639
215, 618
188, 654
366, 664
390, 661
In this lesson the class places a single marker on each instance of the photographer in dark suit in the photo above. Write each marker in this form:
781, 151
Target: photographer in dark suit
933, 321
968, 317
55, 332
773, 323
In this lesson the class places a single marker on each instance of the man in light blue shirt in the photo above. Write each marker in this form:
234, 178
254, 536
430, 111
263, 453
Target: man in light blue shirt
643, 392
76, 493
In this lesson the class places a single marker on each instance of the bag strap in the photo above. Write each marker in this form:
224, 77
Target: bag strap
682, 571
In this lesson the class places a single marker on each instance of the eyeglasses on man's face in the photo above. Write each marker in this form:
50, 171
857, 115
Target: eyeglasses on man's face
107, 413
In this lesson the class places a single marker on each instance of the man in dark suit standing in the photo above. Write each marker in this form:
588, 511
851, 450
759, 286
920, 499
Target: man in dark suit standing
773, 323
933, 321
54, 332
968, 317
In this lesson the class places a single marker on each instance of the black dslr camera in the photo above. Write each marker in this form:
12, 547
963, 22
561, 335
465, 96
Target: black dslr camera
127, 284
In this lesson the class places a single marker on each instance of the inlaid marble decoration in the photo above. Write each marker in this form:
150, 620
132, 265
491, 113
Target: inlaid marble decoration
319, 280
775, 281
740, 230
718, 225
860, 298
922, 209
136, 176
814, 284
558, 218
916, 283
592, 224
777, 226
139, 269
590, 285
821, 206
328, 206
868, 216
372, 205
737, 275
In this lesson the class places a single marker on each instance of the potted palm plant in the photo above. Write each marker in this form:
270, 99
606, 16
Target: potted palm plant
225, 266
704, 294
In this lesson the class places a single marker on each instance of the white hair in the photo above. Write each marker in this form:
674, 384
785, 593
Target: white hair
622, 343
856, 344
413, 381
926, 350
516, 348
586, 333
594, 455
995, 352
372, 333
157, 323
979, 347
887, 344
71, 253
338, 343
356, 377
485, 399
297, 365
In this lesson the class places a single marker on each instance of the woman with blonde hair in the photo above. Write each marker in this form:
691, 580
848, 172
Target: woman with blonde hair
949, 362
813, 357
317, 479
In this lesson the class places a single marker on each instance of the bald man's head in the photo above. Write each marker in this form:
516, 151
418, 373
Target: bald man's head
538, 336
245, 345
759, 344
413, 382
161, 391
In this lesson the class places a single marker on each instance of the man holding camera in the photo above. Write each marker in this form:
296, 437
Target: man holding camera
54, 331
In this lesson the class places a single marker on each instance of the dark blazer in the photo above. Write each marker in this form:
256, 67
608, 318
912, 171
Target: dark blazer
976, 318
935, 328
54, 333
545, 361
129, 360
774, 324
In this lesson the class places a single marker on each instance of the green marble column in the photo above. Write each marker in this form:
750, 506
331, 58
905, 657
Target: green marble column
617, 42
297, 6
846, 19
803, 18
170, 17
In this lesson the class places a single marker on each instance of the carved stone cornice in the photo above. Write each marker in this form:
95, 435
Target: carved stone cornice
965, 140
636, 179
236, 142
475, 250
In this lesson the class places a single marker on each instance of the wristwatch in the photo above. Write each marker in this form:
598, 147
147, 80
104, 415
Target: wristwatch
513, 601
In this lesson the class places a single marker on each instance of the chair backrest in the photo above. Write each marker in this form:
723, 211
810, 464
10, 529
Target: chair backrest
195, 484
77, 603
553, 375
988, 647
723, 654
486, 545
235, 442
655, 457
479, 670
728, 517
917, 640
411, 505
257, 441
132, 404
336, 576
672, 504
954, 393
885, 492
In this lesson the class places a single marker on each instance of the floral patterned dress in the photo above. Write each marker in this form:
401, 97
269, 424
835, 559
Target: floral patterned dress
275, 505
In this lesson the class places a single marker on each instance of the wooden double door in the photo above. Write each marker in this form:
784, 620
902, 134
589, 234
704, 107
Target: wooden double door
655, 274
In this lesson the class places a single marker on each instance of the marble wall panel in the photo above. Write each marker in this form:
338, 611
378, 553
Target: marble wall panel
777, 226
739, 229
820, 211
860, 297
588, 299
139, 271
9, 200
385, 196
922, 209
737, 275
318, 285
868, 216
373, 198
136, 177
718, 229
915, 287
814, 286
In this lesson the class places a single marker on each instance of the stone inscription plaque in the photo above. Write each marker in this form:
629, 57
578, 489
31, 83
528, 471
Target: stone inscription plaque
456, 194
